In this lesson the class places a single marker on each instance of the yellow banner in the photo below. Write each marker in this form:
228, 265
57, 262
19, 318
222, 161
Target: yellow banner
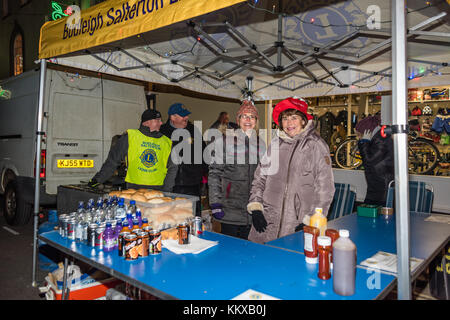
114, 20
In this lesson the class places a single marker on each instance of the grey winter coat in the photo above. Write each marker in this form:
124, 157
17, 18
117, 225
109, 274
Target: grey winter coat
231, 173
288, 191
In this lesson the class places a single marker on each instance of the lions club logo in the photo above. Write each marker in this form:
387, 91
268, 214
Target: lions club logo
148, 158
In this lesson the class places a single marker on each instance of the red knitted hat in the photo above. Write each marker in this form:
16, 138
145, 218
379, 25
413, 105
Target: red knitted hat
291, 103
247, 107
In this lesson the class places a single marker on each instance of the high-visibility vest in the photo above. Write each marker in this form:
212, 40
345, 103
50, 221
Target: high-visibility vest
147, 158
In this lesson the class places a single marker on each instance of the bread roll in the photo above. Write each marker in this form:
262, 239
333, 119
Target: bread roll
142, 190
153, 194
163, 220
171, 233
180, 212
184, 205
139, 197
161, 209
129, 191
168, 219
116, 193
127, 196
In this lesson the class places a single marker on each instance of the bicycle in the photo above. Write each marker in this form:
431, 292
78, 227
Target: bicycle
423, 155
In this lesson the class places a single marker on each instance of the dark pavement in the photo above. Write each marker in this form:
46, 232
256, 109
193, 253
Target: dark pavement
16, 247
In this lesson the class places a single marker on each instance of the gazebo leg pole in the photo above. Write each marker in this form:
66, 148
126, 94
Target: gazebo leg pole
400, 136
39, 133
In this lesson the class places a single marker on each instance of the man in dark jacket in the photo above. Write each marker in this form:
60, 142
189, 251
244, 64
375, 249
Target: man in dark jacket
190, 170
147, 154
378, 159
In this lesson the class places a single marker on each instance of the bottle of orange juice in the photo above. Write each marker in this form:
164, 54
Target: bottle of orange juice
319, 221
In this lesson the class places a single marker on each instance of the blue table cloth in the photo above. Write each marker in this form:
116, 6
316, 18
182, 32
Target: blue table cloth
223, 271
371, 235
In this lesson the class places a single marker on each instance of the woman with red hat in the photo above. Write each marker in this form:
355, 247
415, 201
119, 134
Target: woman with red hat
230, 178
283, 200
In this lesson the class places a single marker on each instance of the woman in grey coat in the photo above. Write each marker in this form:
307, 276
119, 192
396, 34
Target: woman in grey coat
231, 173
294, 176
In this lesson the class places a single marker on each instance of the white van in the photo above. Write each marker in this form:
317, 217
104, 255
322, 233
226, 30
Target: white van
81, 115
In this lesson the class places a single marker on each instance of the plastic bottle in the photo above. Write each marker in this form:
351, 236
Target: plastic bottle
319, 221
108, 238
135, 224
310, 235
130, 217
132, 206
139, 217
344, 261
121, 213
334, 235
125, 227
324, 248
144, 223
117, 230
80, 209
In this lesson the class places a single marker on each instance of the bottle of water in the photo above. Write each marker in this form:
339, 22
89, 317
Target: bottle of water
80, 209
121, 212
132, 207
99, 212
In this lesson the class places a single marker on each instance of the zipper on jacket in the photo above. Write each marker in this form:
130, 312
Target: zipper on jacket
286, 188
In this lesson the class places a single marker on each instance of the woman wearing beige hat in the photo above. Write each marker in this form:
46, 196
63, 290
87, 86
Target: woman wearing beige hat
231, 174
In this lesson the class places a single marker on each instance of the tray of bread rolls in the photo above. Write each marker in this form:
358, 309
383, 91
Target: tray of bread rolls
162, 209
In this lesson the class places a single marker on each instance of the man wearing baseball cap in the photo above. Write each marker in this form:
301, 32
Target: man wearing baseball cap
147, 154
189, 173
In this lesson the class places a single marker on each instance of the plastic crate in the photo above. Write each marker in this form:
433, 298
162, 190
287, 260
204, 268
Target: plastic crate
368, 210
85, 288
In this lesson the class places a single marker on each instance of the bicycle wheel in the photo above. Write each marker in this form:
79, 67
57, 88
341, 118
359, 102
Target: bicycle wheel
423, 156
347, 155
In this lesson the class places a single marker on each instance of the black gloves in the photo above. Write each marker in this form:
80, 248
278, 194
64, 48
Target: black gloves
259, 222
299, 227
93, 183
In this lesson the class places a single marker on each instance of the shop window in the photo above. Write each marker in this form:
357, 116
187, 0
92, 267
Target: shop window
17, 50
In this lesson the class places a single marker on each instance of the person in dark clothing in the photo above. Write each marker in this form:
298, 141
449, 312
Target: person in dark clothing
378, 159
223, 123
190, 170
147, 155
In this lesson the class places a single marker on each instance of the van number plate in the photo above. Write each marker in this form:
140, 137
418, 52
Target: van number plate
75, 163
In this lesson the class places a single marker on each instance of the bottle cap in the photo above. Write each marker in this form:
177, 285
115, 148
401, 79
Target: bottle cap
344, 233
317, 210
312, 260
324, 241
108, 224
132, 202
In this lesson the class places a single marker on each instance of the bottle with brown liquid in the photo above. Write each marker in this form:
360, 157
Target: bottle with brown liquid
344, 264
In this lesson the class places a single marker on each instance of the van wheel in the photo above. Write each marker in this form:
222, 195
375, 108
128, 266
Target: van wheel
16, 212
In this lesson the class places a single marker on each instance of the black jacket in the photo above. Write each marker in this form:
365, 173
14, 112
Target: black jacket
119, 152
188, 174
378, 161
